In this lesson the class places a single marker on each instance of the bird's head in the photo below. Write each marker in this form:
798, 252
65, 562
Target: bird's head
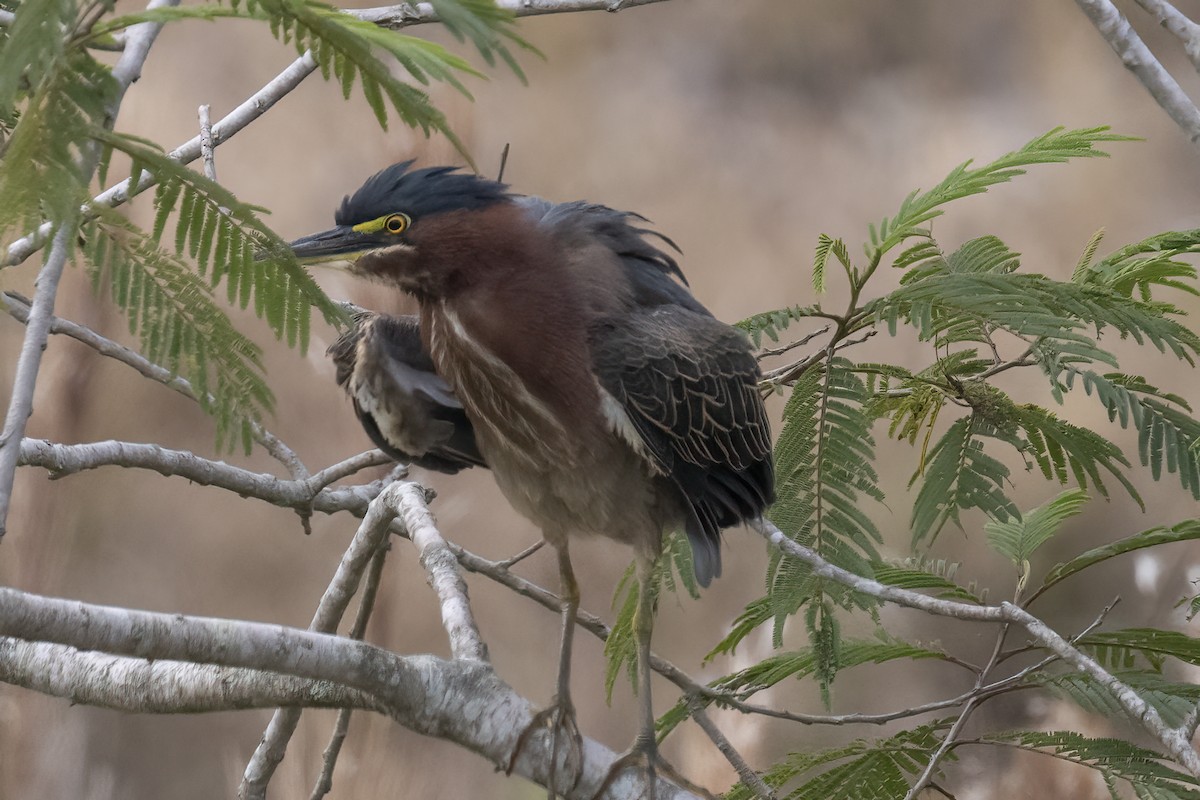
384, 228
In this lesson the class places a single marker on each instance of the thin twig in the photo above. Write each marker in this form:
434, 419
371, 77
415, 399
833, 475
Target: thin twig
803, 340
354, 464
749, 777
690, 687
926, 776
68, 459
790, 372
359, 631
405, 14
503, 163
511, 561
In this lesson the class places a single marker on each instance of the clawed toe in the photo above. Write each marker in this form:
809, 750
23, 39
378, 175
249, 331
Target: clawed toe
559, 718
644, 755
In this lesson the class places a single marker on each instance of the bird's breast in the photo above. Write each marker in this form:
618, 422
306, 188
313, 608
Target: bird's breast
510, 420
568, 472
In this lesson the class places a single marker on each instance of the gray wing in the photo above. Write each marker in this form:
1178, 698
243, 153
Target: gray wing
689, 385
404, 406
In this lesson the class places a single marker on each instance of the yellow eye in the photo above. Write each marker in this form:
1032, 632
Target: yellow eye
396, 223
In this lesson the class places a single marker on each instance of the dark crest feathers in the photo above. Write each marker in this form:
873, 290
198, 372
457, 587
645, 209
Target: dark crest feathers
418, 193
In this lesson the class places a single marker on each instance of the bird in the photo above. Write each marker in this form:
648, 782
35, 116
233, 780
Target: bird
603, 396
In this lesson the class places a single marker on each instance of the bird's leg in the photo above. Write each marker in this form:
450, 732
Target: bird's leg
643, 627
645, 746
563, 708
561, 712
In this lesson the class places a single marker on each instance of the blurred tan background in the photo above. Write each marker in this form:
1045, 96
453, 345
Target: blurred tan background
743, 128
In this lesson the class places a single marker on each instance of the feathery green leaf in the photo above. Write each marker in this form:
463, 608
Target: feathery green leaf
1019, 538
178, 323
1182, 532
207, 210
1057, 146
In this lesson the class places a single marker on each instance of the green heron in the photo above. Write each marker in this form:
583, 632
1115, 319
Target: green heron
603, 396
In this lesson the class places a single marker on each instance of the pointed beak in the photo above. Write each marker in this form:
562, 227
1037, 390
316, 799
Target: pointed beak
339, 244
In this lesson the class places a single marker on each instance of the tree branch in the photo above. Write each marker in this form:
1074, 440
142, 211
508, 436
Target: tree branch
927, 774
462, 701
18, 308
1173, 739
790, 372
163, 686
68, 459
444, 578
405, 14
748, 776
1178, 24
1138, 59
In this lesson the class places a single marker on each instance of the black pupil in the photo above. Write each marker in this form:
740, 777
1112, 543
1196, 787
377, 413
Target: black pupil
395, 224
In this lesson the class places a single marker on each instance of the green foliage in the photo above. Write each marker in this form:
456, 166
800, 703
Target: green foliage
1057, 146
1173, 700
1057, 446
922, 573
33, 50
46, 177
487, 26
1167, 433
799, 664
770, 323
1115, 759
827, 246
1019, 538
1184, 531
179, 324
960, 475
1144, 265
823, 473
861, 770
349, 50
1127, 648
976, 313
217, 230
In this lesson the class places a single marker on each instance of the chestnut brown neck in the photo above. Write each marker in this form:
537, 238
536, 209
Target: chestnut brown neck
505, 283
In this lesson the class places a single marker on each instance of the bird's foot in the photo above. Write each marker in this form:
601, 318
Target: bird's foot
644, 754
559, 717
